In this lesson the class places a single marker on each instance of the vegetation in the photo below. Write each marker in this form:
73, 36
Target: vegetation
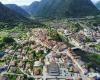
10, 19
54, 34
12, 77
74, 26
8, 40
94, 60
17, 9
1, 45
65, 40
7, 35
67, 8
14, 28
97, 46
8, 15
2, 62
38, 55
86, 40
91, 59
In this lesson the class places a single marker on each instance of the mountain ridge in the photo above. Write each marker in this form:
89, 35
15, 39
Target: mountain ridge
72, 8
17, 9
10, 17
98, 5
31, 8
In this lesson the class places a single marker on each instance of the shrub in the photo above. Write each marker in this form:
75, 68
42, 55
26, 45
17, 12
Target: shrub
8, 40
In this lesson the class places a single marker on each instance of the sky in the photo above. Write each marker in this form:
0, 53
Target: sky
95, 1
25, 2
18, 2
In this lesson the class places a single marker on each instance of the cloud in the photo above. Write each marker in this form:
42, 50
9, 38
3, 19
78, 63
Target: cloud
25, 2
18, 2
95, 1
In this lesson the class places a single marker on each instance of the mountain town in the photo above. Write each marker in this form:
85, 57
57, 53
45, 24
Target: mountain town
45, 41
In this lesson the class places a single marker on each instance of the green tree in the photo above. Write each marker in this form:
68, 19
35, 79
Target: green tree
54, 34
8, 40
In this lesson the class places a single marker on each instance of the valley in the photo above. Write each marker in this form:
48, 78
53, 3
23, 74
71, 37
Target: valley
45, 41
29, 42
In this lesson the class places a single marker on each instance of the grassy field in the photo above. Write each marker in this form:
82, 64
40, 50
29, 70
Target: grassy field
3, 34
2, 62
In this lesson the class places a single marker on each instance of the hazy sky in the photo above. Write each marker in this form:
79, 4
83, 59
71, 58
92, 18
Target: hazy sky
18, 2
25, 2
95, 0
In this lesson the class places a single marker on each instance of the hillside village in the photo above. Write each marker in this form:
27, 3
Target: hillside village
41, 57
49, 40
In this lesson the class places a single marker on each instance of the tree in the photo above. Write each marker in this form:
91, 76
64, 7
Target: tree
8, 40
87, 40
54, 34
34, 54
2, 45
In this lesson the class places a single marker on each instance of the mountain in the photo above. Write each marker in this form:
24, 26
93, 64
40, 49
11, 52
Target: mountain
31, 9
63, 8
8, 15
17, 9
10, 18
98, 5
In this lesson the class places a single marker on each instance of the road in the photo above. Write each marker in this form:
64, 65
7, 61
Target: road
11, 59
80, 47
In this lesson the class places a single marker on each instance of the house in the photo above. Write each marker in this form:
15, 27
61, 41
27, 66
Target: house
77, 39
28, 66
53, 69
11, 51
25, 58
26, 42
7, 50
2, 54
19, 50
3, 77
87, 32
21, 64
13, 63
38, 64
36, 71
3, 68
37, 68
18, 78
50, 43
20, 57
13, 69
